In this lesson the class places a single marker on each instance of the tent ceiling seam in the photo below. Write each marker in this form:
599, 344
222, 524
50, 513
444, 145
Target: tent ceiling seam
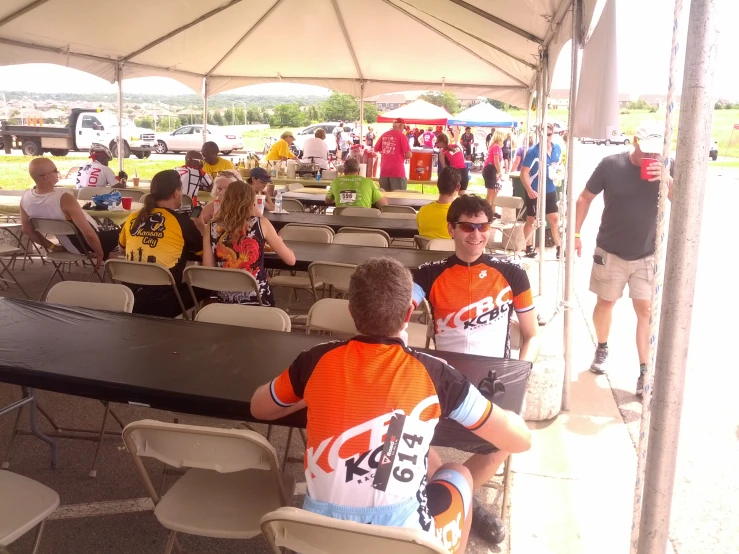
455, 43
177, 31
497, 21
485, 42
246, 35
337, 11
22, 11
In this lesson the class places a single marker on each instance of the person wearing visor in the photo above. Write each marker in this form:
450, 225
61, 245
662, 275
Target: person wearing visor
280, 150
472, 297
530, 180
96, 172
261, 182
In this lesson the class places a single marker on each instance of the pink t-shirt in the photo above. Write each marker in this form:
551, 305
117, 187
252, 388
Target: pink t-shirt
494, 149
392, 145
428, 139
455, 158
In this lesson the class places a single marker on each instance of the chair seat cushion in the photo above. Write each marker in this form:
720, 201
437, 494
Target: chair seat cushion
63, 257
24, 503
220, 505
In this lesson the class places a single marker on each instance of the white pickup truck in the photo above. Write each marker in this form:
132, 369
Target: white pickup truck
84, 128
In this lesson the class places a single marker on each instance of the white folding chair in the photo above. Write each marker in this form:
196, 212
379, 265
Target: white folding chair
94, 296
24, 503
72, 171
142, 273
335, 276
393, 209
307, 532
219, 279
442, 245
361, 239
58, 228
135, 195
186, 203
394, 215
292, 205
232, 480
365, 230
422, 242
86, 193
331, 315
6, 267
256, 317
511, 228
360, 212
293, 186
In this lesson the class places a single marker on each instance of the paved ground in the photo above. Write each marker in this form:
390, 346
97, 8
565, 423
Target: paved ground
581, 460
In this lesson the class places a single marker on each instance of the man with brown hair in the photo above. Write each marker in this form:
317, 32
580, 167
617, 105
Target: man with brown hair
472, 297
373, 407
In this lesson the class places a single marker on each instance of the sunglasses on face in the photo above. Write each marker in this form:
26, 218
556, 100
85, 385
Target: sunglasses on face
55, 172
468, 227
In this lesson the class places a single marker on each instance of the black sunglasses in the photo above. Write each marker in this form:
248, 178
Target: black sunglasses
469, 227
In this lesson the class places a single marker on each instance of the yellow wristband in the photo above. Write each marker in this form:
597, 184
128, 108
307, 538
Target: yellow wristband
577, 235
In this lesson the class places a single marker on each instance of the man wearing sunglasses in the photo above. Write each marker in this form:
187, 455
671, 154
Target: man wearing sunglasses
530, 180
472, 297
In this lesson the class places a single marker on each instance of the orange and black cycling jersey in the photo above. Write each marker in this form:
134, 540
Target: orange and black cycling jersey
353, 390
471, 302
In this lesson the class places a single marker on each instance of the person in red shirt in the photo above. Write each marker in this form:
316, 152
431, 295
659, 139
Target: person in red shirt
493, 169
394, 147
451, 155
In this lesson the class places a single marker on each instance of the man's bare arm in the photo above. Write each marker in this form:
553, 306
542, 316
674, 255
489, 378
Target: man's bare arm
72, 209
530, 340
582, 206
264, 408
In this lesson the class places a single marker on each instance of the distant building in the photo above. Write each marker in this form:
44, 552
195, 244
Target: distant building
467, 100
559, 99
387, 102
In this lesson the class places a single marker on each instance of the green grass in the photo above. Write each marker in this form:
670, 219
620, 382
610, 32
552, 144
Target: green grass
14, 169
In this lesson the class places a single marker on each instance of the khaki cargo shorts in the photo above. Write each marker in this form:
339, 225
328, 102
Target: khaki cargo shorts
608, 280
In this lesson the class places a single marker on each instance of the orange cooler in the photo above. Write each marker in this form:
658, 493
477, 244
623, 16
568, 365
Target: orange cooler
421, 162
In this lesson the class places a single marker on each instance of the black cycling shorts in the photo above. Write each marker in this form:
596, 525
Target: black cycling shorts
551, 204
490, 175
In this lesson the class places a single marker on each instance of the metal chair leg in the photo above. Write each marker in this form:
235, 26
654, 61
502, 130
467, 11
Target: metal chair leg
37, 542
287, 449
269, 432
506, 488
93, 471
170, 542
6, 461
7, 270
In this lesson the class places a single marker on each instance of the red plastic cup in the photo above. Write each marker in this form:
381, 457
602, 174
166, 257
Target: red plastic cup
126, 203
645, 163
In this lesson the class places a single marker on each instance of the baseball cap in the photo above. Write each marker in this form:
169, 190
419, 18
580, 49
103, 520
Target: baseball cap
399, 120
287, 134
650, 139
261, 174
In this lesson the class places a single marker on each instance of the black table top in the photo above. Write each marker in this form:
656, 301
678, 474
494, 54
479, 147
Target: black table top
398, 228
309, 252
184, 366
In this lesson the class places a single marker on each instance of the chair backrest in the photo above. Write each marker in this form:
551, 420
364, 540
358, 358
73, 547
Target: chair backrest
139, 273
293, 186
391, 209
53, 226
302, 531
137, 195
221, 279
422, 242
338, 210
365, 230
515, 202
72, 171
94, 296
292, 205
186, 202
256, 317
331, 314
361, 212
333, 274
192, 446
86, 193
361, 239
307, 233
392, 215
143, 197
444, 245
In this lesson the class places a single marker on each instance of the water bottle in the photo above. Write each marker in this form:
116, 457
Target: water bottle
278, 202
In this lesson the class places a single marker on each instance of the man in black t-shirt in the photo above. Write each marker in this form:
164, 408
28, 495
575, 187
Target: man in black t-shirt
625, 244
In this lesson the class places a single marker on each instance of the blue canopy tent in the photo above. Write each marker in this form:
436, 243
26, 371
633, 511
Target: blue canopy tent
483, 115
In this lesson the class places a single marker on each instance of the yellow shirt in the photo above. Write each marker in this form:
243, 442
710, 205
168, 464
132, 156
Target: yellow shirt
431, 220
221, 165
279, 150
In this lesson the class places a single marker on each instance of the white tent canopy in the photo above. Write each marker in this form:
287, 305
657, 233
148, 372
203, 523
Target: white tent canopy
484, 115
481, 47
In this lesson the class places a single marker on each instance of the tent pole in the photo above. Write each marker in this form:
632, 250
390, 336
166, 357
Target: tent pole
361, 111
569, 250
121, 147
691, 168
528, 120
542, 179
205, 110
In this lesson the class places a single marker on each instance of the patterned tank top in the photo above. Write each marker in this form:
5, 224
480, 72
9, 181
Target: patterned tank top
243, 252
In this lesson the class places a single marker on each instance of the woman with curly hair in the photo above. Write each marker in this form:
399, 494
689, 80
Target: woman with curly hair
238, 238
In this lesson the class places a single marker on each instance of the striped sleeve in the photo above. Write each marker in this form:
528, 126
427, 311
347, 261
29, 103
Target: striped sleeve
474, 410
281, 390
518, 279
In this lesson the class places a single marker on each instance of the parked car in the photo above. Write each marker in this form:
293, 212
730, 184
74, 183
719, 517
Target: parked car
328, 126
618, 138
190, 137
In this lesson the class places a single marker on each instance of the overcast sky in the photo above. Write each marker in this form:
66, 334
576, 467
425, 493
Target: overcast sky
644, 37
